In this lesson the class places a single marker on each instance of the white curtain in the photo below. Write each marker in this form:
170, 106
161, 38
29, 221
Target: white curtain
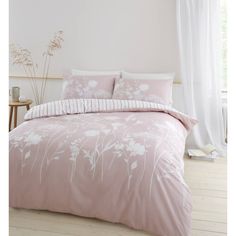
198, 24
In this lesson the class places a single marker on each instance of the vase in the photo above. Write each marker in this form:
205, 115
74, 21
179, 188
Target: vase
15, 93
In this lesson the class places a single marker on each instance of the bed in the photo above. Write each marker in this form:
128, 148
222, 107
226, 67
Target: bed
111, 159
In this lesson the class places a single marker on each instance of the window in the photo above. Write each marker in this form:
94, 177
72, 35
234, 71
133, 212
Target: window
224, 44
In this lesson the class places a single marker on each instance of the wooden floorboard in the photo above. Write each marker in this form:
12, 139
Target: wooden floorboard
28, 232
207, 182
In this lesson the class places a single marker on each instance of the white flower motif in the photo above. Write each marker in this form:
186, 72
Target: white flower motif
27, 155
101, 94
54, 126
135, 149
144, 87
92, 83
16, 138
137, 93
90, 156
33, 139
74, 152
119, 146
118, 149
170, 125
112, 118
116, 125
91, 133
134, 165
140, 134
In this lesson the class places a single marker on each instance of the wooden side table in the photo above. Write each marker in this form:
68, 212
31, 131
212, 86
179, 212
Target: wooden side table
14, 107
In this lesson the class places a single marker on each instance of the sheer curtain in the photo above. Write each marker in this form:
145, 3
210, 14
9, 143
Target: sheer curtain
198, 24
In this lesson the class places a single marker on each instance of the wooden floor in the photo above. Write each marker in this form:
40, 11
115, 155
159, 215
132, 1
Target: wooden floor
207, 181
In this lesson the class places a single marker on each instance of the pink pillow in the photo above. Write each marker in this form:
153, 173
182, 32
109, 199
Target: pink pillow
88, 86
159, 91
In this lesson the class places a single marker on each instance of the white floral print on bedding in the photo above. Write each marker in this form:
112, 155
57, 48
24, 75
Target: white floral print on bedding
88, 86
159, 91
120, 161
124, 167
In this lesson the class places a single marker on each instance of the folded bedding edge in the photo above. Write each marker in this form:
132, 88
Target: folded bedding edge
83, 106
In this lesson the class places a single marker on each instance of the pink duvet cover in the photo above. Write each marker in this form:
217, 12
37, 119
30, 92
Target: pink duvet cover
120, 161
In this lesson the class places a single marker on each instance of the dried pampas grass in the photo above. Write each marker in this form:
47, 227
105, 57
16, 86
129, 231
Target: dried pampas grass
22, 57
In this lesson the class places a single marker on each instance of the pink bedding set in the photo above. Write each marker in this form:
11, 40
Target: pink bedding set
88, 86
115, 160
152, 90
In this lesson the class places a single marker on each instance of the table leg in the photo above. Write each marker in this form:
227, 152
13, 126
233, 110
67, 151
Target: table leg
27, 107
10, 117
15, 116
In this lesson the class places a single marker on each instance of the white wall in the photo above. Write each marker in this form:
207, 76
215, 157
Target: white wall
135, 35
138, 35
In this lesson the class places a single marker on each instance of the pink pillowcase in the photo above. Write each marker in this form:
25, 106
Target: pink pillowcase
159, 91
88, 86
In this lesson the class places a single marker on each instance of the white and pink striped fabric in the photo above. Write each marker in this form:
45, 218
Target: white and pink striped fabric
119, 161
80, 106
